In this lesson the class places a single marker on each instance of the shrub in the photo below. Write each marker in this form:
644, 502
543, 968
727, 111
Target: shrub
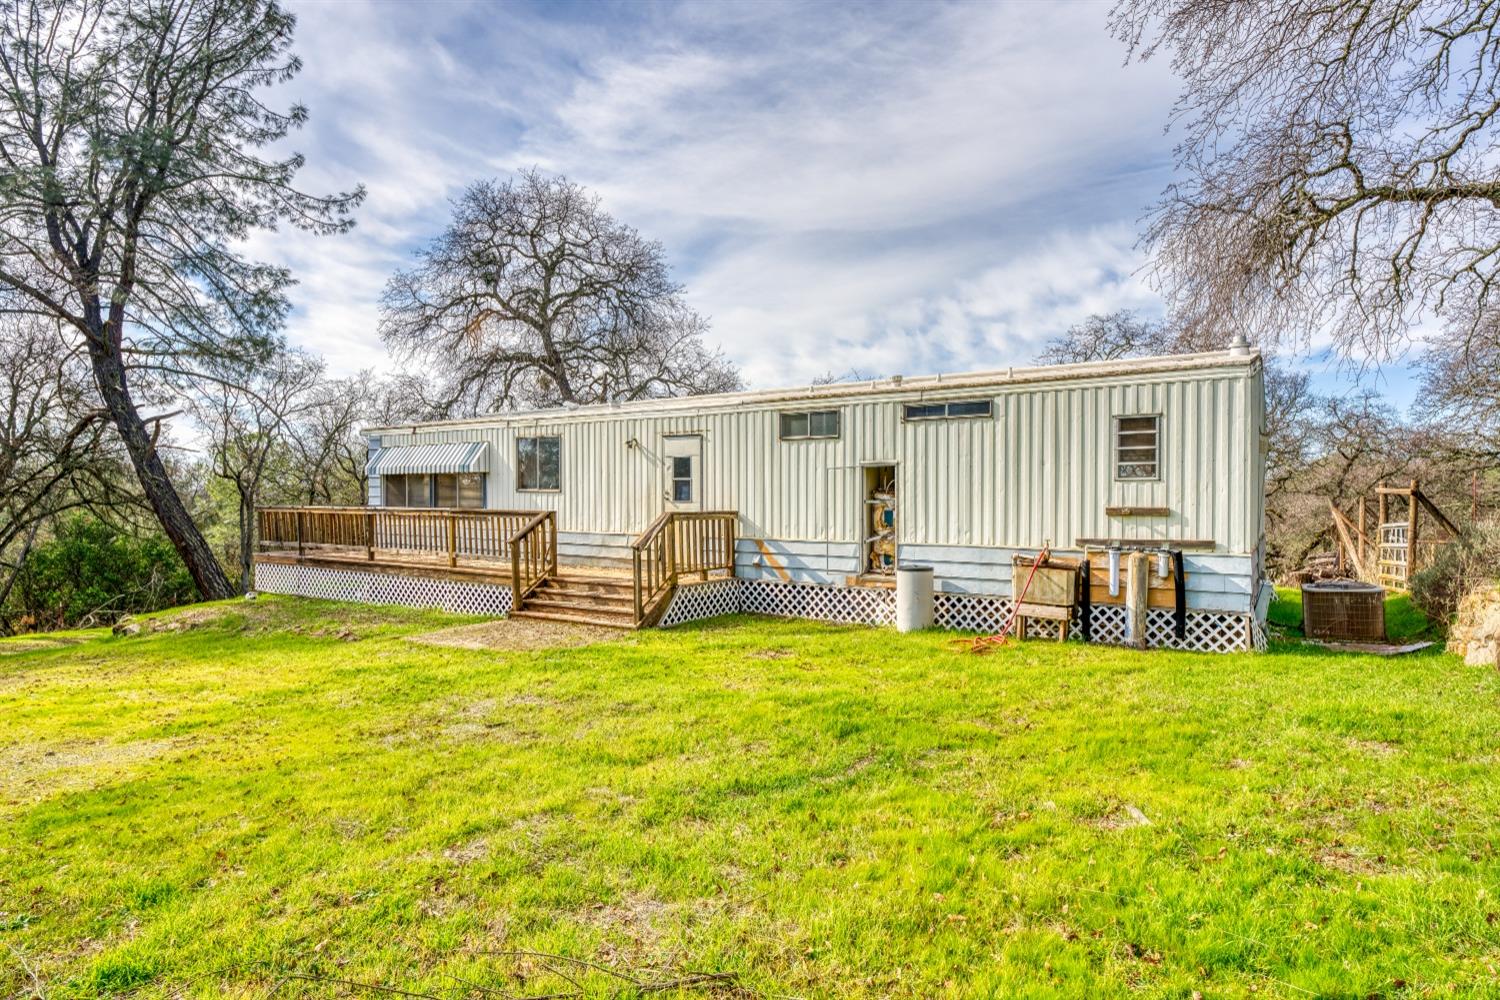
1471, 562
91, 572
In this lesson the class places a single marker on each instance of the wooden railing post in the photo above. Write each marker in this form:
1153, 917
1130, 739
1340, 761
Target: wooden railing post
370, 535
516, 586
452, 539
552, 544
299, 535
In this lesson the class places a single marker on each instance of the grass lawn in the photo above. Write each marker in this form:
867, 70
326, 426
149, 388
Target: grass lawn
296, 788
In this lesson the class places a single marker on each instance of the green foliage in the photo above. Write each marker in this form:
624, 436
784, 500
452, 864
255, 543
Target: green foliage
256, 788
91, 571
1470, 562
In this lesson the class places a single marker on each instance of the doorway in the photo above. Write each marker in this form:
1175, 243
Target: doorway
878, 521
682, 471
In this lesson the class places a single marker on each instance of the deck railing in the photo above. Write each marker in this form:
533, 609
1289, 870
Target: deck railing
678, 544
533, 556
441, 535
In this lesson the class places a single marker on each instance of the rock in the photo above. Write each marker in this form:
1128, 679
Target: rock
127, 626
1475, 634
251, 595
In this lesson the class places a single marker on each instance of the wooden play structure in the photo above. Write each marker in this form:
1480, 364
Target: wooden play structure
1408, 529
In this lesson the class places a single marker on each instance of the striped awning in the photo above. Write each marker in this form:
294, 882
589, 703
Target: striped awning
465, 456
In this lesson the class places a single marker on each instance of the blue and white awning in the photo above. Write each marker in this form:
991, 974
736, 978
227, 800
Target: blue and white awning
466, 456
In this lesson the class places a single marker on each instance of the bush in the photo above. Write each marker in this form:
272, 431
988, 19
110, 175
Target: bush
1471, 562
91, 573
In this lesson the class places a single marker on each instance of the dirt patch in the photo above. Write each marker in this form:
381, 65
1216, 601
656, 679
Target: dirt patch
32, 773
770, 654
1374, 748
13, 646
518, 634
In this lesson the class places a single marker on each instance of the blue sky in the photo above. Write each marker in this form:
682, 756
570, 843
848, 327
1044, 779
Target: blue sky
882, 187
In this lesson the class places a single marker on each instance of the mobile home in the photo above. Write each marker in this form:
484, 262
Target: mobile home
801, 501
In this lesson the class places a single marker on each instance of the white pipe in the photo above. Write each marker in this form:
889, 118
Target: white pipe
1114, 572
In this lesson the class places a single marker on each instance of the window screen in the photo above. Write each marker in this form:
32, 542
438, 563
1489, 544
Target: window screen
539, 463
948, 411
1137, 447
447, 491
813, 424
682, 479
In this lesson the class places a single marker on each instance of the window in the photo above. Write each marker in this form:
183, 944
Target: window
465, 489
1137, 447
407, 490
948, 411
813, 424
539, 463
682, 479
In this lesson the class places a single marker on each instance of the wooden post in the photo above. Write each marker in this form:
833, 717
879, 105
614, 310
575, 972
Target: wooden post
552, 544
299, 535
1411, 533
635, 567
515, 576
1360, 541
1137, 588
370, 535
452, 540
671, 553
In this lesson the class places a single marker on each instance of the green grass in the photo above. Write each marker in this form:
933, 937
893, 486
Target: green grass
821, 811
1404, 621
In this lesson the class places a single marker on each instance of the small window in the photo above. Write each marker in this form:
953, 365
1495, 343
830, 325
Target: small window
1137, 447
948, 411
682, 479
814, 424
539, 463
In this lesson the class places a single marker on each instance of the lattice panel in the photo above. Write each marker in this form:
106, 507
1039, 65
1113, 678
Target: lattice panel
694, 601
358, 586
970, 612
1207, 631
854, 605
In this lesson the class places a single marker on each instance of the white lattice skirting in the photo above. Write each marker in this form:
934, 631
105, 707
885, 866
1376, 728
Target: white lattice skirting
362, 587
1207, 631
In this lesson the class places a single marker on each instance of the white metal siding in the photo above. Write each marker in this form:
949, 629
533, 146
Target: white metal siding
1040, 470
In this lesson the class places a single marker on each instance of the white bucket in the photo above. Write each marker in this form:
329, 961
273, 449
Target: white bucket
913, 598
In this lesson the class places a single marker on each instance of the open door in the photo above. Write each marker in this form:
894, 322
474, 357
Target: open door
682, 471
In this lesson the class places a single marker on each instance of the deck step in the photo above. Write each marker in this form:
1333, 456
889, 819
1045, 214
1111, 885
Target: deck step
603, 620
568, 600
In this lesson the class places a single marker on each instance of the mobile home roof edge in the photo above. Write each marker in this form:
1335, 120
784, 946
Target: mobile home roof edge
1163, 364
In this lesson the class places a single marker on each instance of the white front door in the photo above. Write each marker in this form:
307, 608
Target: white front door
682, 471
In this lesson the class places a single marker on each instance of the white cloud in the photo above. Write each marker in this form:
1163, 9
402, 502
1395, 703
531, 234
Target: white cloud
900, 188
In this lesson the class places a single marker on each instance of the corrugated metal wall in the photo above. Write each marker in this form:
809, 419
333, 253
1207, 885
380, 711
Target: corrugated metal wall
1040, 470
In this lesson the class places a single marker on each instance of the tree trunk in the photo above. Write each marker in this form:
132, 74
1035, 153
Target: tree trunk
109, 376
16, 575
247, 538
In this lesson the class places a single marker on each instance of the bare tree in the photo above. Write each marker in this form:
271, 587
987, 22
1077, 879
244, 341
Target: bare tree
1340, 165
53, 451
247, 424
132, 134
1110, 336
535, 295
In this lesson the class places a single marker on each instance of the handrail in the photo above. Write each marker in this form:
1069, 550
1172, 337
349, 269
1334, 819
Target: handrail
533, 556
442, 535
674, 544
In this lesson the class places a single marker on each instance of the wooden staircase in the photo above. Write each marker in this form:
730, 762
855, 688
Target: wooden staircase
677, 544
582, 599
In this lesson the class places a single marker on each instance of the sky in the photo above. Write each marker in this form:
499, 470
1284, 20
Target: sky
881, 188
